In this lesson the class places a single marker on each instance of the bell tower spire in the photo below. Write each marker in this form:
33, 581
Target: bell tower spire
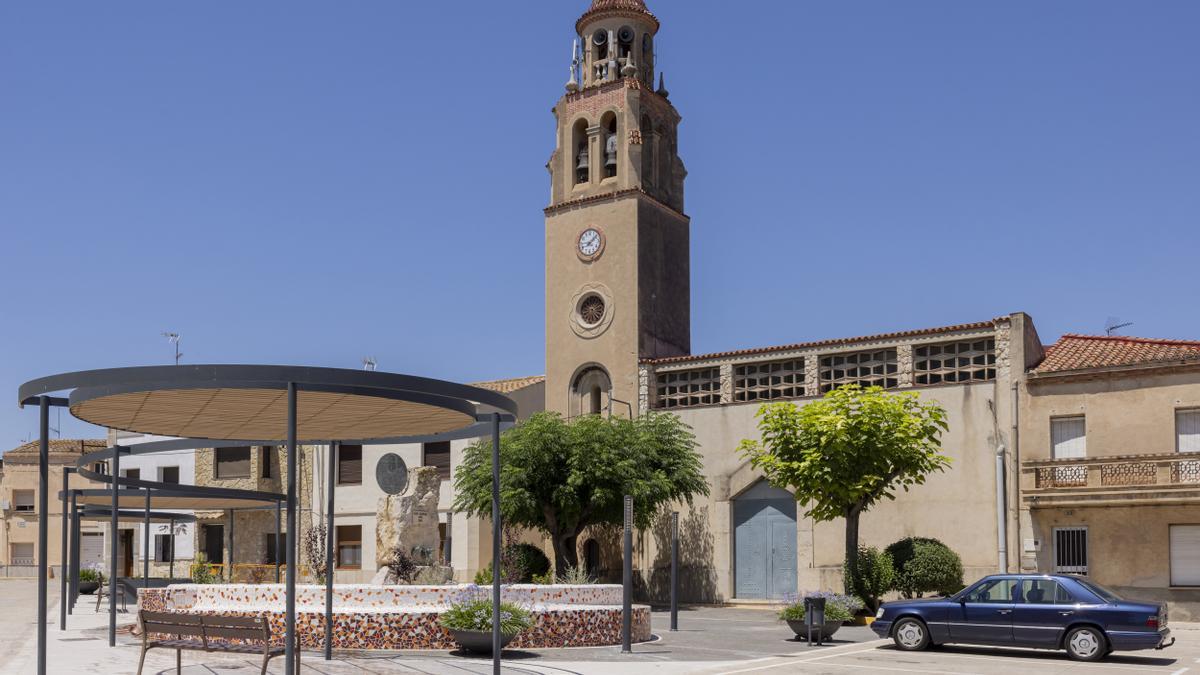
617, 237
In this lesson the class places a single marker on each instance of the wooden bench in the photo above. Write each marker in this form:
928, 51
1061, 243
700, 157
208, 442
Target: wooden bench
206, 633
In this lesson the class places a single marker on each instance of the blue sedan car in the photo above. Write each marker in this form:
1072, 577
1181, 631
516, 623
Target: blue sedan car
1042, 611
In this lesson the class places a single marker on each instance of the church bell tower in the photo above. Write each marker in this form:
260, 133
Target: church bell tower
617, 269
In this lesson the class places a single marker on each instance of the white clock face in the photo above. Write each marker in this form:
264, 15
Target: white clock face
590, 242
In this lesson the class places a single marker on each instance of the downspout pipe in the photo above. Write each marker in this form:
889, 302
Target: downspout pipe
1001, 512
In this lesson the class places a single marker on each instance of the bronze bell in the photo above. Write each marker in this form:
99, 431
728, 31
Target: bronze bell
610, 156
581, 169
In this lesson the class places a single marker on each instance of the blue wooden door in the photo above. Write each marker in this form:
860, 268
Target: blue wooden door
764, 543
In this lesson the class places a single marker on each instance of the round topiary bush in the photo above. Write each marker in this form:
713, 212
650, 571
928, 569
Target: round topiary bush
923, 565
524, 562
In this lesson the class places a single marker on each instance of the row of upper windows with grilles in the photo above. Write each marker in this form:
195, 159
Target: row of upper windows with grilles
945, 363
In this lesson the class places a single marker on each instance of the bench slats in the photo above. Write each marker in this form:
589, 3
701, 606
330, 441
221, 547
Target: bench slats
173, 628
256, 634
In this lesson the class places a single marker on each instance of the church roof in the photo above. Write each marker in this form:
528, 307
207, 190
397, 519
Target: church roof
510, 385
28, 452
602, 8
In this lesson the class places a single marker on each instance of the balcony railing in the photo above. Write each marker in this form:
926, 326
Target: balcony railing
1137, 472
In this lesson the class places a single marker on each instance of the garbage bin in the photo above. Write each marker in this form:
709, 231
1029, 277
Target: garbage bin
814, 618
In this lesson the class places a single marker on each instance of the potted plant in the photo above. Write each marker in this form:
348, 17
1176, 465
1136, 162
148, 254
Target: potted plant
838, 610
469, 620
89, 580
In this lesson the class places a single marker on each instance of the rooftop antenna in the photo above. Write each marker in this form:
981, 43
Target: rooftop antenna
1115, 324
369, 363
173, 338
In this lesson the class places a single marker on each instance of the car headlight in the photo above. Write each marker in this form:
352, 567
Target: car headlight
879, 614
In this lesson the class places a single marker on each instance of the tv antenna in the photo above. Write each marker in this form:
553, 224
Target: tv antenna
370, 364
173, 338
1115, 324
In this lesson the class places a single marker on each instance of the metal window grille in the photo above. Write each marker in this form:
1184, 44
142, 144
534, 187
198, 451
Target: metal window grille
966, 361
868, 369
767, 381
22, 554
1071, 550
685, 388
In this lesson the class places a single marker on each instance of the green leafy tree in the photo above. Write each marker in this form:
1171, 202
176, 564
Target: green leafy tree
845, 452
561, 476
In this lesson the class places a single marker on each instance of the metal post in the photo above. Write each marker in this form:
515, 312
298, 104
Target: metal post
112, 550
329, 567
63, 593
171, 536
279, 552
146, 543
290, 591
674, 571
43, 525
229, 562
496, 552
75, 541
627, 582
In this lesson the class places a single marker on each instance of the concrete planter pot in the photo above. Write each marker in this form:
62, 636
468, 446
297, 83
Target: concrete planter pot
88, 587
479, 641
827, 630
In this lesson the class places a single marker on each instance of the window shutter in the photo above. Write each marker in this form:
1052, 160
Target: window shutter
350, 465
1069, 437
437, 455
1185, 555
1187, 430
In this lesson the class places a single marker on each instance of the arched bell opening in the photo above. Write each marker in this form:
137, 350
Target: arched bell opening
609, 124
591, 392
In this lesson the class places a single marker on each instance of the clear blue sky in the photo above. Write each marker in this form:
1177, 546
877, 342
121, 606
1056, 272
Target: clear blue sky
312, 182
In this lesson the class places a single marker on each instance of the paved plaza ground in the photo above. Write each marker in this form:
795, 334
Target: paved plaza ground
712, 641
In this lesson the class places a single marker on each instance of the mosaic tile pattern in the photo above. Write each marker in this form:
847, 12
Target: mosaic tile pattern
405, 617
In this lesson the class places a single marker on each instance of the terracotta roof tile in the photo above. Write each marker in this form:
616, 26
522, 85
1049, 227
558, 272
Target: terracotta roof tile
828, 343
1086, 352
72, 446
510, 385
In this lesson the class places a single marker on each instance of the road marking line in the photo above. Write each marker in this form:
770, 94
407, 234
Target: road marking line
791, 661
1180, 671
902, 670
1014, 655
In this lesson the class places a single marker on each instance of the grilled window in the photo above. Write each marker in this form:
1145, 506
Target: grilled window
350, 465
767, 381
22, 554
437, 455
868, 369
1071, 550
233, 462
967, 361
685, 388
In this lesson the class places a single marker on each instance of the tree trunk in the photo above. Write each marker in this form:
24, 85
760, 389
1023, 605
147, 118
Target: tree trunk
852, 582
565, 553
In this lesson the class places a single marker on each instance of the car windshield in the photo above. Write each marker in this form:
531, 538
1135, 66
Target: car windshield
1105, 594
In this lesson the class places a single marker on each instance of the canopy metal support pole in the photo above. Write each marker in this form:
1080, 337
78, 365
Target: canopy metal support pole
146, 544
171, 553
627, 581
332, 460
229, 565
63, 594
496, 552
113, 532
674, 571
43, 526
75, 541
290, 592
279, 552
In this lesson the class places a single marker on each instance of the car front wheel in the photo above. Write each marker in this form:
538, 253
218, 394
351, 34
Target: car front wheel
911, 635
1086, 644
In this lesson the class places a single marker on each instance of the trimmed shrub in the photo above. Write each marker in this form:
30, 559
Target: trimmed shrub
870, 577
924, 565
523, 562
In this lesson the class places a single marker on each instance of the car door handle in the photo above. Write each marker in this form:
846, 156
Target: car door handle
1067, 613
1004, 611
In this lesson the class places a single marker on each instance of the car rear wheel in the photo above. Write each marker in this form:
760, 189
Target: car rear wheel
911, 634
1086, 644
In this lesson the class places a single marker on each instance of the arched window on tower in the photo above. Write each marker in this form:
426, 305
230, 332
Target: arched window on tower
591, 392
600, 55
609, 124
580, 160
